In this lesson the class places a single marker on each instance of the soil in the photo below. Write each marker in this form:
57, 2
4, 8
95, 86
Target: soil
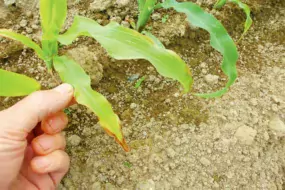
178, 141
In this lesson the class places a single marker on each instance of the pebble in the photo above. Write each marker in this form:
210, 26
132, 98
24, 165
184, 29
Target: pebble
146, 185
156, 16
23, 23
170, 152
122, 3
211, 79
96, 186
116, 19
100, 5
277, 126
133, 105
245, 134
204, 161
74, 140
9, 2
125, 24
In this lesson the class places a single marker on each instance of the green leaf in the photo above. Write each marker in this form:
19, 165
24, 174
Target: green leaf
244, 7
71, 72
220, 39
53, 15
123, 43
146, 7
219, 4
24, 40
246, 10
139, 82
13, 84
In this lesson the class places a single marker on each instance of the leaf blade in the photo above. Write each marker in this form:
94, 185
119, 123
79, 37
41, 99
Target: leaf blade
246, 10
13, 84
70, 72
53, 14
132, 45
219, 40
24, 40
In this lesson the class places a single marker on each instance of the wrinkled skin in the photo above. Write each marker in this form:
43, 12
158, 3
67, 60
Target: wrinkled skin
31, 145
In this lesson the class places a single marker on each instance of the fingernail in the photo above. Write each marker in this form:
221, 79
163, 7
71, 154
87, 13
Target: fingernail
43, 143
64, 89
41, 162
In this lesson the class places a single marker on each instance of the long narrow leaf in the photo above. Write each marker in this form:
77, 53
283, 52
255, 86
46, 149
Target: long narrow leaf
70, 72
220, 39
24, 40
145, 8
13, 84
244, 7
219, 4
123, 43
53, 14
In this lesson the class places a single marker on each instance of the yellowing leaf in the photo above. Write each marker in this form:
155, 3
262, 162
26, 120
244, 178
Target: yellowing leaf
220, 39
24, 40
123, 43
71, 72
13, 84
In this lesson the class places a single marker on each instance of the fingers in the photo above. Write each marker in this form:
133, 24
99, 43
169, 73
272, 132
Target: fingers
55, 123
55, 163
45, 144
38, 106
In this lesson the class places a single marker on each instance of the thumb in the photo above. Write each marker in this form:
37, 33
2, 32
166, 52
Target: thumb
24, 116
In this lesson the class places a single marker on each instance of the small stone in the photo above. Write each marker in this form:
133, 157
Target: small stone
116, 19
253, 101
29, 14
100, 5
146, 185
176, 182
74, 140
29, 30
122, 3
34, 26
277, 126
110, 186
211, 79
245, 134
133, 105
125, 24
204, 161
170, 152
23, 23
9, 3
156, 16
96, 186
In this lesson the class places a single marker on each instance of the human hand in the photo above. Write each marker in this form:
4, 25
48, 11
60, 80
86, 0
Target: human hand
31, 147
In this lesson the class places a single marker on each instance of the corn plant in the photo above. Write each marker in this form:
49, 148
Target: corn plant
119, 42
220, 3
220, 39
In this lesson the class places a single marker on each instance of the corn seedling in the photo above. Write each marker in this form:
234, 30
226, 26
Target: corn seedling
219, 4
196, 16
119, 42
